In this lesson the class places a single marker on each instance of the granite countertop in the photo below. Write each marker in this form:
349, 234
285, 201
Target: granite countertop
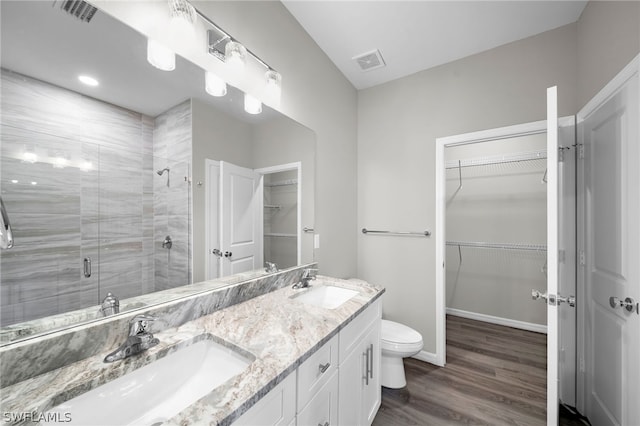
279, 331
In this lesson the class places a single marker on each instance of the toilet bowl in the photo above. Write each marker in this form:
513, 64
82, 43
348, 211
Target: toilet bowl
397, 341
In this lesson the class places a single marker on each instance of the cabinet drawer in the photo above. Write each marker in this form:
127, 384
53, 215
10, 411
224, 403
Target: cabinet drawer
275, 408
351, 335
316, 371
323, 408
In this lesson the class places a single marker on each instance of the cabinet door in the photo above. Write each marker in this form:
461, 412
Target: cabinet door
352, 378
371, 391
278, 407
323, 408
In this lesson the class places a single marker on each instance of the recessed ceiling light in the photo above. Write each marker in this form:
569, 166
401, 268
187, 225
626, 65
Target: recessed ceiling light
89, 81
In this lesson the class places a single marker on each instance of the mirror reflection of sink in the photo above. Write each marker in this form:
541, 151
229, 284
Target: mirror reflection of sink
158, 391
325, 296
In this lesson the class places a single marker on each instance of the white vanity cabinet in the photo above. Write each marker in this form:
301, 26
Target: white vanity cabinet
359, 370
338, 385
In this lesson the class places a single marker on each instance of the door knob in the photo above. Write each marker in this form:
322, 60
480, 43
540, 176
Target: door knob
570, 300
629, 304
227, 254
217, 252
535, 295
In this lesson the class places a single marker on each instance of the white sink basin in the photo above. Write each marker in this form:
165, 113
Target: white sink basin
157, 391
326, 296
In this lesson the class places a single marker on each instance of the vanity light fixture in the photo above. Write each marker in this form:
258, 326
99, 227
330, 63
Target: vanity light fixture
235, 56
89, 81
160, 56
182, 13
214, 85
273, 89
252, 105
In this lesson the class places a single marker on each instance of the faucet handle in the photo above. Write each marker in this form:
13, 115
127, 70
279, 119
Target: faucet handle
139, 324
309, 274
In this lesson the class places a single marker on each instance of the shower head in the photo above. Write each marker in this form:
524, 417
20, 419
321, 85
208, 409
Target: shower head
161, 172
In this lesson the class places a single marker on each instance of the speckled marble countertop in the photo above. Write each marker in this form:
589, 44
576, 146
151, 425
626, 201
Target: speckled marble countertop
280, 331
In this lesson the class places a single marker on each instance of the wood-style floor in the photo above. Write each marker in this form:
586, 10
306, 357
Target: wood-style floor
494, 375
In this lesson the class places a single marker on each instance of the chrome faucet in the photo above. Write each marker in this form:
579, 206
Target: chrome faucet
270, 267
307, 275
139, 339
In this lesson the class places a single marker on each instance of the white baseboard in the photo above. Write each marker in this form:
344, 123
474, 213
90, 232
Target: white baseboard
429, 357
529, 326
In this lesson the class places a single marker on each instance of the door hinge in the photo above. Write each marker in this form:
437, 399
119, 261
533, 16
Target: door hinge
581, 151
561, 154
581, 258
561, 256
582, 366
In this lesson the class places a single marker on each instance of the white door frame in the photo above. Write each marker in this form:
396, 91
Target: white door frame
284, 168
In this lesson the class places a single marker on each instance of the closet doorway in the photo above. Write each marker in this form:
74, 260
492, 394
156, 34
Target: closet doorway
492, 232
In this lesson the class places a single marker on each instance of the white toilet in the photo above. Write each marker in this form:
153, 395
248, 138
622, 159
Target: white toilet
398, 341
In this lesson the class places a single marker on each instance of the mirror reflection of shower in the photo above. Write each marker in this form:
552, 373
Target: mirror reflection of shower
161, 172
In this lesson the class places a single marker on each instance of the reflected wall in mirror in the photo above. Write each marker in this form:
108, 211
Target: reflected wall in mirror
105, 185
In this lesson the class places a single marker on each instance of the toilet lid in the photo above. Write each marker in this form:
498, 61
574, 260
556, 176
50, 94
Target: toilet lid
399, 333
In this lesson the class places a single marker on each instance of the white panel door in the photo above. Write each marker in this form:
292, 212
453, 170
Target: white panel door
212, 220
552, 256
241, 219
612, 257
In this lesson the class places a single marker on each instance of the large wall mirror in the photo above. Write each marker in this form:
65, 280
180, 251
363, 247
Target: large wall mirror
141, 186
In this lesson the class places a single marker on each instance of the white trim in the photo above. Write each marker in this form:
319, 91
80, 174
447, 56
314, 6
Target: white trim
429, 357
552, 254
610, 89
522, 325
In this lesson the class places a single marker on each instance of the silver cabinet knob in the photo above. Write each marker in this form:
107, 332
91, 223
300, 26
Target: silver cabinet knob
570, 300
536, 295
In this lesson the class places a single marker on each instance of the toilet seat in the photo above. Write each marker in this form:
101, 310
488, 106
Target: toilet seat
399, 338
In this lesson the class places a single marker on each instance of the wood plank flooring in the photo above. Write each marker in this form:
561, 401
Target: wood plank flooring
495, 375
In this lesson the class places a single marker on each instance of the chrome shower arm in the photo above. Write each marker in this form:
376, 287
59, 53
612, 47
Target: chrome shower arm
6, 236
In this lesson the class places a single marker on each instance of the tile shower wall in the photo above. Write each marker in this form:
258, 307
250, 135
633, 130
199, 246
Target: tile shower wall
89, 193
171, 203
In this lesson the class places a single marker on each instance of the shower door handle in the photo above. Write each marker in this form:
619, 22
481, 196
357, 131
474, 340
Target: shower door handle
87, 267
6, 236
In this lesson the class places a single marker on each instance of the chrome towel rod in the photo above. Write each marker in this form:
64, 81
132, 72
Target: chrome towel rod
530, 247
404, 234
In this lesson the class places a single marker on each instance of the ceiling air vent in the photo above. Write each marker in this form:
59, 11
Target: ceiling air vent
370, 60
78, 9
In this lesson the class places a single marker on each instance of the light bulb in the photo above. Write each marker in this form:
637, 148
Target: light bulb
235, 56
214, 85
160, 56
252, 105
273, 89
60, 162
183, 18
29, 157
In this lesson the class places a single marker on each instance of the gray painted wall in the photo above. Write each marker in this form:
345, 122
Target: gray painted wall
499, 203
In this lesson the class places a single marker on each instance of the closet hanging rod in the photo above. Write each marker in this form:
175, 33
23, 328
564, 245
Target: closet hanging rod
503, 246
399, 233
487, 161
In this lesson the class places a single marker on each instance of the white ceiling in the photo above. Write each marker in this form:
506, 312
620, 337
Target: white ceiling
417, 35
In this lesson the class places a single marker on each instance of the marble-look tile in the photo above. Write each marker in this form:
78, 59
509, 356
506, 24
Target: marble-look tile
111, 126
32, 104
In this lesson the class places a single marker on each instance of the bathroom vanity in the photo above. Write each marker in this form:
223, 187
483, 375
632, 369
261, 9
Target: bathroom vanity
310, 356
